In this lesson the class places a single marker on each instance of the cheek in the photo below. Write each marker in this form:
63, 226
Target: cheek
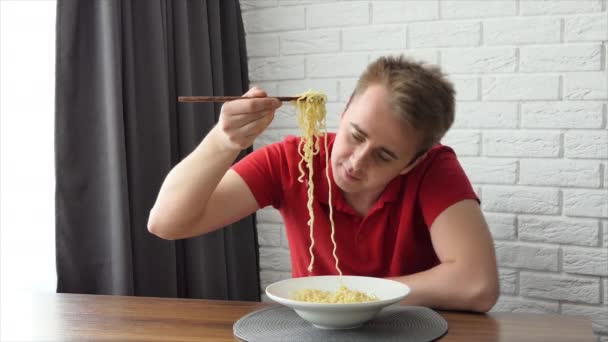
341, 150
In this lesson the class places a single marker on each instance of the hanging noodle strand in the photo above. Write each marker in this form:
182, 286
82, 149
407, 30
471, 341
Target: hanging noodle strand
311, 116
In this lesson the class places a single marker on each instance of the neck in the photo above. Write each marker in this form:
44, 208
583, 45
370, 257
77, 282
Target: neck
362, 203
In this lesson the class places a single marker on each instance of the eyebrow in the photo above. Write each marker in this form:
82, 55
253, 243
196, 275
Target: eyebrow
384, 149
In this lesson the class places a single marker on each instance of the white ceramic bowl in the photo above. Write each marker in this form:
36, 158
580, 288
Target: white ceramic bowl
338, 316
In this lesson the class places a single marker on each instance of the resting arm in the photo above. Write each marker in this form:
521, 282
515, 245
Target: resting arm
467, 277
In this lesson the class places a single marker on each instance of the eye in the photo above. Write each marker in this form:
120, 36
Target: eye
383, 157
358, 137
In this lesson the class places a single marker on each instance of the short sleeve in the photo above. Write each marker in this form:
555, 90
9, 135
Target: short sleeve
261, 172
444, 183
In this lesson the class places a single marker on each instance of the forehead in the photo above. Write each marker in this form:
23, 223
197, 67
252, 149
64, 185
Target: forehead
373, 113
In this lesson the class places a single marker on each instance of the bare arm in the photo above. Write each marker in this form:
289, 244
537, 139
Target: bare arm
201, 194
466, 278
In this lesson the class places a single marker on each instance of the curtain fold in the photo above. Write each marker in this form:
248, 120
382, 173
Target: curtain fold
118, 132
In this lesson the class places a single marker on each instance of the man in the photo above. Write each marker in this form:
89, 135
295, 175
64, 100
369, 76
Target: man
402, 205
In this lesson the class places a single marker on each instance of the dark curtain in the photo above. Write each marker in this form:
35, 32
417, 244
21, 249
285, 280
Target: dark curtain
119, 130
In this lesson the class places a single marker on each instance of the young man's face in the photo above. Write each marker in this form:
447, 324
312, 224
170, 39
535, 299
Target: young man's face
372, 145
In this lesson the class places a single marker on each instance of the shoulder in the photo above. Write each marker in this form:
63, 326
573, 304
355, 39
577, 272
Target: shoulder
438, 157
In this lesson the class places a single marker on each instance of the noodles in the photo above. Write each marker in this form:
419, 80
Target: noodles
343, 295
311, 113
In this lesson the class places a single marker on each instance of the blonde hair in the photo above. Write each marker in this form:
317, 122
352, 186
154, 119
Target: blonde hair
421, 94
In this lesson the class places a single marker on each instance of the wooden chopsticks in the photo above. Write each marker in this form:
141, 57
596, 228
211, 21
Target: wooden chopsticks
227, 98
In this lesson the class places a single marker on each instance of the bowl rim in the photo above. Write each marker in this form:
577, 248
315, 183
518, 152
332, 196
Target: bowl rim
302, 304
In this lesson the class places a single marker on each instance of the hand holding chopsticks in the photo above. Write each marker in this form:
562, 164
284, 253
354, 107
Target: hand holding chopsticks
228, 98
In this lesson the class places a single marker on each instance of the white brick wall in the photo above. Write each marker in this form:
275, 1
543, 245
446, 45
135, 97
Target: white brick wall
531, 127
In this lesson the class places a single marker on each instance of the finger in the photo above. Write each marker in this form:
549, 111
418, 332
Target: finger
238, 121
245, 106
255, 91
253, 129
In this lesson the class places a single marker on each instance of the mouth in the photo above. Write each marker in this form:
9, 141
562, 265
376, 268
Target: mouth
349, 176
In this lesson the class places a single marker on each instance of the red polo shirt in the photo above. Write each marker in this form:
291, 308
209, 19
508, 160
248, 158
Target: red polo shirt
393, 239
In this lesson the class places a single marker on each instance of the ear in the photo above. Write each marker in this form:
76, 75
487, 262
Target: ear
413, 164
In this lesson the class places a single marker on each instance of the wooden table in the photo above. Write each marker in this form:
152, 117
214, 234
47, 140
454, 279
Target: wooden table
64, 317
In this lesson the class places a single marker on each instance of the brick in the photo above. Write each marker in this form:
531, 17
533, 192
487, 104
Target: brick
275, 259
582, 232
508, 280
525, 305
477, 191
593, 27
284, 240
467, 88
590, 261
560, 172
522, 143
560, 287
514, 199
384, 12
300, 2
262, 45
272, 134
346, 88
334, 109
533, 7
337, 14
444, 34
575, 114
588, 203
269, 235
269, 87
597, 314
461, 9
520, 87
427, 56
605, 290
464, 142
276, 68
423, 55
290, 88
284, 118
537, 30
256, 4
306, 42
605, 167
502, 226
274, 19
586, 85
490, 170
486, 115
560, 58
350, 65
586, 144
479, 60
268, 215
367, 38
269, 277
605, 234
527, 256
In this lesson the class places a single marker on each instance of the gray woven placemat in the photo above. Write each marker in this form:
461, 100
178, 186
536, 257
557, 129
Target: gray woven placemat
395, 323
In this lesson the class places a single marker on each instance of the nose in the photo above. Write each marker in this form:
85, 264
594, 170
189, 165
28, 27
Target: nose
357, 159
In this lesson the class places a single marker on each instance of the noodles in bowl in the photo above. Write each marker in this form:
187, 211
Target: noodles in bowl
342, 296
338, 315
